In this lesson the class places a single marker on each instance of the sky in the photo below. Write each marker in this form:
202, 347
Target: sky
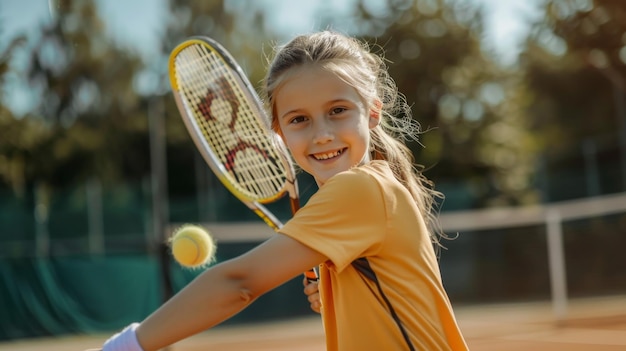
507, 23
140, 23
130, 21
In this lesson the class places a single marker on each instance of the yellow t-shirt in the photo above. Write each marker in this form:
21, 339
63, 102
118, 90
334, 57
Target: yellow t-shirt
366, 212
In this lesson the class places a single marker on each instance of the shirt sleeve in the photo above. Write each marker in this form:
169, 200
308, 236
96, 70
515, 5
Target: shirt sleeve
344, 220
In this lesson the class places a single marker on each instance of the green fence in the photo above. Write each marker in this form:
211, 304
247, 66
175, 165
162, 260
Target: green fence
84, 294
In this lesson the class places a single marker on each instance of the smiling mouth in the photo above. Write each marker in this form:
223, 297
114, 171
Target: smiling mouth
327, 155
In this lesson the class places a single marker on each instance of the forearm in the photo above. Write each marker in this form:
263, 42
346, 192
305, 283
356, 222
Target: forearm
218, 293
210, 299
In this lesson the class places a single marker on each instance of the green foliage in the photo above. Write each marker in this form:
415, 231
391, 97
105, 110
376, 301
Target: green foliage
574, 67
88, 118
574, 61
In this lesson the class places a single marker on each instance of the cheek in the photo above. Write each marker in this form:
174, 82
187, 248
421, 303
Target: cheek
363, 131
292, 143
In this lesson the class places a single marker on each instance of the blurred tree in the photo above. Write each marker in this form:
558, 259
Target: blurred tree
575, 66
467, 104
86, 118
14, 133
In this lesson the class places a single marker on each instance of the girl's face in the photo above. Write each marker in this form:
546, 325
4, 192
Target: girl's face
323, 122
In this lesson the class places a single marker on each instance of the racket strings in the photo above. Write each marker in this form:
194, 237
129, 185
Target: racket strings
217, 99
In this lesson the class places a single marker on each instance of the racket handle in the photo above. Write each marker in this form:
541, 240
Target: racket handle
311, 275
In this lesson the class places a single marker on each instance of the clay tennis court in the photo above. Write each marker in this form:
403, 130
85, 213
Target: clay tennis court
597, 324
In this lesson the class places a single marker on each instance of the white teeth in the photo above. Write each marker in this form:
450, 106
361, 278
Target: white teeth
328, 155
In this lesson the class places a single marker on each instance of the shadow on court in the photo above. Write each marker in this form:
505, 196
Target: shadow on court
597, 324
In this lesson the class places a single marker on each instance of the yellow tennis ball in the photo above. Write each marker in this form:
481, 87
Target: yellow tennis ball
192, 246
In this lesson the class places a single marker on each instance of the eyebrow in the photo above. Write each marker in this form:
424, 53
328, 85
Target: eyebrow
331, 102
284, 115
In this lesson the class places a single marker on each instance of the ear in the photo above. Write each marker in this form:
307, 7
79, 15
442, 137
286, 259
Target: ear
375, 111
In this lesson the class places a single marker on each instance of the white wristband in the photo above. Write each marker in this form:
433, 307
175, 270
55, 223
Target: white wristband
126, 340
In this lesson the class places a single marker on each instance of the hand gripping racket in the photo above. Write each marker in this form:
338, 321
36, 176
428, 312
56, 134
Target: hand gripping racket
226, 121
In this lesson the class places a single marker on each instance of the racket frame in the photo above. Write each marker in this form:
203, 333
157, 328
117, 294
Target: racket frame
290, 185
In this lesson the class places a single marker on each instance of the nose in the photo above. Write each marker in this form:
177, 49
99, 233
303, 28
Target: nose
323, 132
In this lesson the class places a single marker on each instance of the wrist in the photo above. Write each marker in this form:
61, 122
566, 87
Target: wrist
126, 340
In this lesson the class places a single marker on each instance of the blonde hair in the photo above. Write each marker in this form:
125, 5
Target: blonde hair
354, 62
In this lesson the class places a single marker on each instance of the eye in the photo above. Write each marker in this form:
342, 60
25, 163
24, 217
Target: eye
297, 119
337, 110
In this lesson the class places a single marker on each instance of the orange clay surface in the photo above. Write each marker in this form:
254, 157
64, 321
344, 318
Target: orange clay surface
597, 324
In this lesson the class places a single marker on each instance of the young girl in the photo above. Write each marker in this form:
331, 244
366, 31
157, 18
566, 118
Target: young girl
370, 227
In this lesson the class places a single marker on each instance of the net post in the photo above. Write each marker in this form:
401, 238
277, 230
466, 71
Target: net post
157, 243
556, 261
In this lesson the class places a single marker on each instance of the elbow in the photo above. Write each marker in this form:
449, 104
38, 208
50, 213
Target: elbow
246, 286
245, 283
246, 296
248, 291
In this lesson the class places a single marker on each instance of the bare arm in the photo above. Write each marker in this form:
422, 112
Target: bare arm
226, 289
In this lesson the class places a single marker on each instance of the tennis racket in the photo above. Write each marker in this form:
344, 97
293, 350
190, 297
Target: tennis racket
228, 125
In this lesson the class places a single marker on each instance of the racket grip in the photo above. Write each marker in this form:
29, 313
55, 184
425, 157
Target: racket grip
311, 275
